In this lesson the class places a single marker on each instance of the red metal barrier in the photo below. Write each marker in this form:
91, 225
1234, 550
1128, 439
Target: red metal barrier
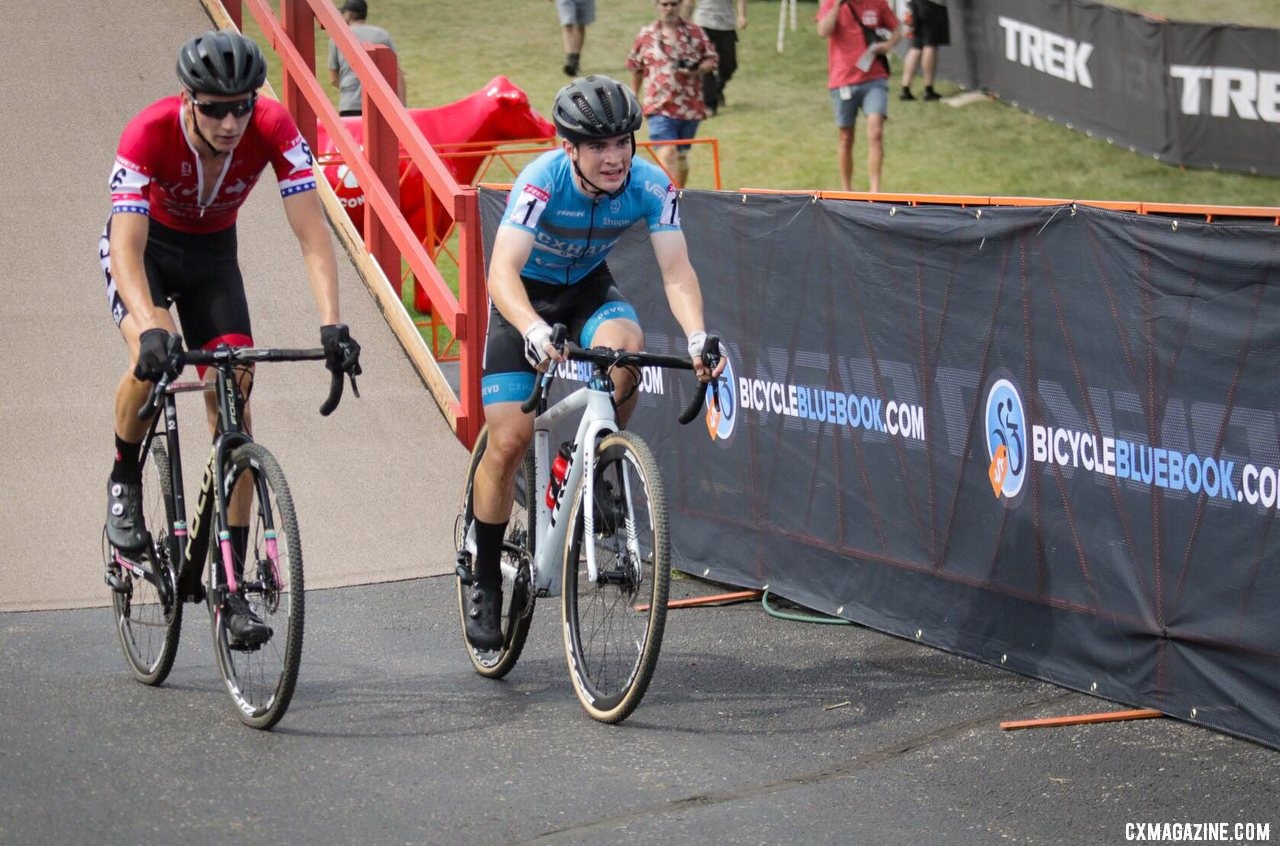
497, 113
387, 234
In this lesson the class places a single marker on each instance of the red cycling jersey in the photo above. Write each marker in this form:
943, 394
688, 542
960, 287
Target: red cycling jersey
157, 170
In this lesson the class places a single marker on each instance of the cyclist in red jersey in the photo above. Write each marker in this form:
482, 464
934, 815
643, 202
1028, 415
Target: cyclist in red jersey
184, 167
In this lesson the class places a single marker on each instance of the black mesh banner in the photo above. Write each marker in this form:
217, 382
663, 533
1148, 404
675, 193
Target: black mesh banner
1195, 94
1046, 438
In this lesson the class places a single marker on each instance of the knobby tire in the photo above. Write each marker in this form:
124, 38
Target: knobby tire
611, 646
518, 549
261, 681
148, 620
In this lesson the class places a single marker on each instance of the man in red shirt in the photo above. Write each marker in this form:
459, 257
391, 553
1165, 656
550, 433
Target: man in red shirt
184, 167
858, 75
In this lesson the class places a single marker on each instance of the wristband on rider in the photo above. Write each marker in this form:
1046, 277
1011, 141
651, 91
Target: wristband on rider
536, 337
697, 340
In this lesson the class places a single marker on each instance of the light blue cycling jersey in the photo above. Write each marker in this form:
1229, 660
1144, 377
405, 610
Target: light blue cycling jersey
573, 233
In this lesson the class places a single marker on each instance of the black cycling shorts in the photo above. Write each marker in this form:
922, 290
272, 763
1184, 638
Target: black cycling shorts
199, 273
581, 307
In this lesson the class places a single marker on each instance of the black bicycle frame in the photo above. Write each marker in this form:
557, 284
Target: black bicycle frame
189, 546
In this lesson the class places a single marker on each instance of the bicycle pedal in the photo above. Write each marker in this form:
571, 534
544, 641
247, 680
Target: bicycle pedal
521, 603
115, 582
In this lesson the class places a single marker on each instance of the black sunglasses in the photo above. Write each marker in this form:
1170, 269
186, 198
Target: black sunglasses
218, 111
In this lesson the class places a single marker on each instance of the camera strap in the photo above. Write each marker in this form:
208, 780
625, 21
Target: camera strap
869, 35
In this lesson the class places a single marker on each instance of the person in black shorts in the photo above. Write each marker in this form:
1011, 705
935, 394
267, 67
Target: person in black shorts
930, 29
184, 166
566, 212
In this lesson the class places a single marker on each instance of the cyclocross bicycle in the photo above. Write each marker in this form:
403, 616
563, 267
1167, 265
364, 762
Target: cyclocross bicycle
596, 536
148, 591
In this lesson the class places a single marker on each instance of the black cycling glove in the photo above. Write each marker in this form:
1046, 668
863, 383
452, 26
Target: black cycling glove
153, 356
341, 352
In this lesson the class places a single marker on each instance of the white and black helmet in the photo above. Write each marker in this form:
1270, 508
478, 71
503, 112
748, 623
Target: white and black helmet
221, 62
595, 107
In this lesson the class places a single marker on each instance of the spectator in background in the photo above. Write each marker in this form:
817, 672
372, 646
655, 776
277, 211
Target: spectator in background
718, 21
930, 30
574, 17
858, 75
341, 75
667, 62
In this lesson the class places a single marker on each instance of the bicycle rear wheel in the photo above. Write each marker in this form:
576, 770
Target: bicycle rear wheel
517, 553
261, 679
147, 608
613, 626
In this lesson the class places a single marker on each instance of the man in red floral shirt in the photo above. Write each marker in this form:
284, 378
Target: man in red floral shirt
667, 62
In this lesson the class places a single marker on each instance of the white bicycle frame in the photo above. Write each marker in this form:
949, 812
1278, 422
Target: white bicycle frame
598, 418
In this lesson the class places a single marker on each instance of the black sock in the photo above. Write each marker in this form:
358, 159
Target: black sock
125, 469
489, 553
928, 89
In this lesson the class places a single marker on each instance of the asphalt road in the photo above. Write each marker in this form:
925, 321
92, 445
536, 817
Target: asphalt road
755, 730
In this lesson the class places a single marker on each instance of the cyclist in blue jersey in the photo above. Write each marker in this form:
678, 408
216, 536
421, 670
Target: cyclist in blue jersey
566, 211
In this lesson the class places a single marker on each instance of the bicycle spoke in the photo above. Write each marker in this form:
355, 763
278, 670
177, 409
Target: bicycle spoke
612, 647
147, 611
261, 678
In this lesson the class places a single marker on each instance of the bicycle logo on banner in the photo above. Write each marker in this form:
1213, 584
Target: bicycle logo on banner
1006, 427
720, 414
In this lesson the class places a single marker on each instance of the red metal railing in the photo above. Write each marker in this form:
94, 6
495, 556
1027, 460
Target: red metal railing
387, 234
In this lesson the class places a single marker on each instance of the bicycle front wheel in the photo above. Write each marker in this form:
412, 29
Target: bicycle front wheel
517, 552
613, 623
261, 678
145, 601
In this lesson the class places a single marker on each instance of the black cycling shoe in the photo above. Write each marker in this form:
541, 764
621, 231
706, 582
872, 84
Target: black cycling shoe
484, 626
126, 530
245, 630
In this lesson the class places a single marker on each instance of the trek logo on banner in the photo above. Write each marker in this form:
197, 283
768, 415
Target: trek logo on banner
1250, 94
1048, 52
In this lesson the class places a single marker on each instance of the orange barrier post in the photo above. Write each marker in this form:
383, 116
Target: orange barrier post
714, 599
1082, 719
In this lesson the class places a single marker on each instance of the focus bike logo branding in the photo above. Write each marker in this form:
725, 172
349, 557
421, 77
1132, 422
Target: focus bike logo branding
348, 189
721, 416
1006, 435
203, 506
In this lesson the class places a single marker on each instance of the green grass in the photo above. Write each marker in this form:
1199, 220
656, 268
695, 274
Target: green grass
1246, 12
776, 131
